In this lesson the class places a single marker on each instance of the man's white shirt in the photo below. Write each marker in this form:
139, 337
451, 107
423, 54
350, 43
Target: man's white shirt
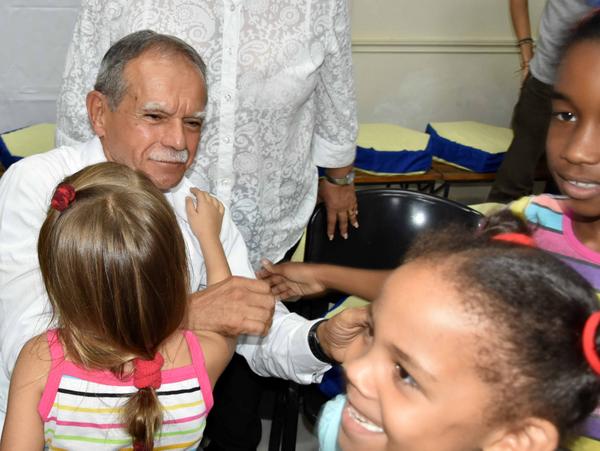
25, 192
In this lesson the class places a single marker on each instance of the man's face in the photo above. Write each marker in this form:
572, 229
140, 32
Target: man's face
156, 126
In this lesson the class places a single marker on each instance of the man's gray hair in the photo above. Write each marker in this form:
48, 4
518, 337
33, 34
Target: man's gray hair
110, 80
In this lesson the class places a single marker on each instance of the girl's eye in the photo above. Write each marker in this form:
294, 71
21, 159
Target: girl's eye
405, 377
565, 116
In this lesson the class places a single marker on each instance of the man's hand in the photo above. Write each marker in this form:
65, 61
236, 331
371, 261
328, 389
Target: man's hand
288, 280
233, 307
341, 205
338, 334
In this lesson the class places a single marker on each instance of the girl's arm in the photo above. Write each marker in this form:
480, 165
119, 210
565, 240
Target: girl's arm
218, 350
205, 218
23, 427
304, 279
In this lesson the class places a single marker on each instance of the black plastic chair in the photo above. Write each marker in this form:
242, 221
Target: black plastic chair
389, 221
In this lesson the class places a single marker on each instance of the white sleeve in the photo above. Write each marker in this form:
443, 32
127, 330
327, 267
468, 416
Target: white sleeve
284, 352
91, 39
24, 306
334, 140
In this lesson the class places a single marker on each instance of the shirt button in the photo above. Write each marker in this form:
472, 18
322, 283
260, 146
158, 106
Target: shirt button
227, 140
232, 8
228, 97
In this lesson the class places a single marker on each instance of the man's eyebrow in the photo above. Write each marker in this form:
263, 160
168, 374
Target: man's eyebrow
153, 106
410, 361
557, 95
157, 106
199, 115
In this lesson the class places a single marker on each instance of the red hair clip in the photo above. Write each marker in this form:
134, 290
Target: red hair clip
517, 238
63, 196
589, 341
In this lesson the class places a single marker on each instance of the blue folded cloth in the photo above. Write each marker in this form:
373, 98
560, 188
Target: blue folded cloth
469, 145
390, 149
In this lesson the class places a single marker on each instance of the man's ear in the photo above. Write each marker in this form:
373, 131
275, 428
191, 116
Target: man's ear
97, 107
530, 434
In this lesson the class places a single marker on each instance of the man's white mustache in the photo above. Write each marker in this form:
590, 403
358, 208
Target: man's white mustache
169, 155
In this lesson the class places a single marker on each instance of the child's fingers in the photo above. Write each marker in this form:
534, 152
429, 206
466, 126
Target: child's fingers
205, 197
190, 208
267, 264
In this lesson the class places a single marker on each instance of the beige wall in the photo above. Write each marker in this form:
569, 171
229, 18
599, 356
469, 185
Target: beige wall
435, 60
415, 61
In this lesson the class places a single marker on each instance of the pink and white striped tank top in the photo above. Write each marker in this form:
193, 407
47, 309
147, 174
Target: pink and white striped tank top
81, 409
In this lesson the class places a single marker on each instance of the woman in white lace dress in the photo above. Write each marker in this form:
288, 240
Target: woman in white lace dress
281, 101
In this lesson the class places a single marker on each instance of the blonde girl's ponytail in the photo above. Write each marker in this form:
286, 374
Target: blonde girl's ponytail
142, 413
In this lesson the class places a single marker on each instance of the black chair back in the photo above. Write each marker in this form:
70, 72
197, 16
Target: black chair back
389, 221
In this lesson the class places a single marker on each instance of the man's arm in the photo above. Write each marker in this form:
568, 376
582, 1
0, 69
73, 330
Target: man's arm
24, 309
285, 352
519, 14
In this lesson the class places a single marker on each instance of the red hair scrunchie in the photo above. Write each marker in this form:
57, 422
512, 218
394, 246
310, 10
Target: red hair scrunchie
589, 341
517, 238
147, 373
63, 196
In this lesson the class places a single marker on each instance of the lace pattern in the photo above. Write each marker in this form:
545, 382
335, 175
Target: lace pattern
281, 99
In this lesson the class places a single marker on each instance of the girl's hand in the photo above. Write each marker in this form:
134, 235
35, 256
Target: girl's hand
205, 216
289, 280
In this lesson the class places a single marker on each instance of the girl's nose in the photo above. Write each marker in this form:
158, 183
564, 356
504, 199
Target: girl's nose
361, 374
584, 145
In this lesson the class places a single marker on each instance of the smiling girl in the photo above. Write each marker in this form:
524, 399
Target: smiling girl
474, 344
569, 225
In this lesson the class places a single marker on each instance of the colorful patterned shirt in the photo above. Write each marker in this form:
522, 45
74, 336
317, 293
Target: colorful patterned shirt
553, 231
81, 408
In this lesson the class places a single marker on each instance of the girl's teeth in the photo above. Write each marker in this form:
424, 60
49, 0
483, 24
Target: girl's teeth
583, 184
363, 421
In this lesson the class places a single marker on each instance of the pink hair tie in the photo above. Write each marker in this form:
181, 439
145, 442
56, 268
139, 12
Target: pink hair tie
146, 373
63, 196
589, 341
517, 238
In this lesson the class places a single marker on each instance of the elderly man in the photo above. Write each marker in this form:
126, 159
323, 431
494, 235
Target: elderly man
147, 110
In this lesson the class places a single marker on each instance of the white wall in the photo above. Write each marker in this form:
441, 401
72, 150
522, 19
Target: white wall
415, 61
436, 60
34, 35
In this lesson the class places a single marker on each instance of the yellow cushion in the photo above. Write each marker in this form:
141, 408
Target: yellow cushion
30, 140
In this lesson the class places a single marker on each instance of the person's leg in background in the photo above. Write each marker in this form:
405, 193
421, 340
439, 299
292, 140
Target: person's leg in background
530, 125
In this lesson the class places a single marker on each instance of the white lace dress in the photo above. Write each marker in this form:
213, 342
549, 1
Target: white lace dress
281, 99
